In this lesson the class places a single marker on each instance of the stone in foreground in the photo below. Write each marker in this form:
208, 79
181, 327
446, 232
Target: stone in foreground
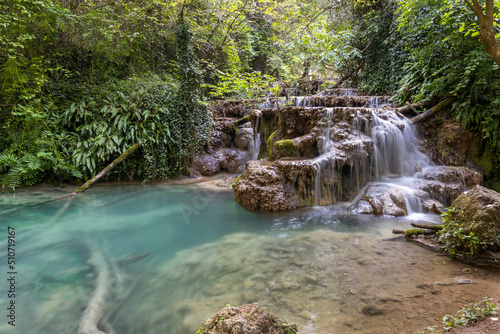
474, 214
245, 319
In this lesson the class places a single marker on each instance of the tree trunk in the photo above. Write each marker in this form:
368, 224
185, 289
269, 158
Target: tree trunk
97, 305
349, 74
411, 107
434, 110
486, 33
106, 170
428, 226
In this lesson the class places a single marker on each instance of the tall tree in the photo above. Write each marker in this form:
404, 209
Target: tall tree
486, 23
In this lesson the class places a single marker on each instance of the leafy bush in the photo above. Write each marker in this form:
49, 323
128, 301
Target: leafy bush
468, 315
456, 238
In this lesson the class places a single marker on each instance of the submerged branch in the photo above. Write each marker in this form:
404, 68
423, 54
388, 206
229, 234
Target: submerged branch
96, 307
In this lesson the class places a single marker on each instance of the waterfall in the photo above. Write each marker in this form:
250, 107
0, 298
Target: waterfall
374, 102
413, 204
317, 183
327, 143
303, 101
255, 147
395, 150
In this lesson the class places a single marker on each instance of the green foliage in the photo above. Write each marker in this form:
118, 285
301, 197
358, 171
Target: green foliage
468, 315
288, 328
446, 58
380, 46
243, 86
456, 237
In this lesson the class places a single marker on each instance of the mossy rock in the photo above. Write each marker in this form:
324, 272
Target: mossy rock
270, 143
472, 224
284, 148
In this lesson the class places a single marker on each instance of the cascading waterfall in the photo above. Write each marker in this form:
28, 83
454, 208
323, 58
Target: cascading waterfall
395, 151
327, 143
374, 102
413, 203
255, 147
395, 158
303, 101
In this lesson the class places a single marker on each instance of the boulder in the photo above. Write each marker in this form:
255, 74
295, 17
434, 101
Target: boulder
381, 199
473, 222
245, 319
218, 139
262, 187
206, 164
233, 160
243, 138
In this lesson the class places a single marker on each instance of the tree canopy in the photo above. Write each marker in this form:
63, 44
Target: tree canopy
82, 81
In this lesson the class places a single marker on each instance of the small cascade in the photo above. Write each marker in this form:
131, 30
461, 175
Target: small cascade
317, 183
413, 204
348, 92
268, 104
303, 101
395, 151
356, 123
374, 102
327, 143
255, 147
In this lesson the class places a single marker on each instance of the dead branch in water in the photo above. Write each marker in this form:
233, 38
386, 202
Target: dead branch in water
89, 183
428, 226
96, 307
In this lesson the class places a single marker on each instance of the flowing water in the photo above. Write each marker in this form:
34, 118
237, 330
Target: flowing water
326, 270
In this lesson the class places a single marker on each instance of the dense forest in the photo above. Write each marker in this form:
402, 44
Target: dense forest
82, 81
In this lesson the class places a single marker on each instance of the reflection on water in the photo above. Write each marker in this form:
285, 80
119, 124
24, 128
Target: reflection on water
328, 271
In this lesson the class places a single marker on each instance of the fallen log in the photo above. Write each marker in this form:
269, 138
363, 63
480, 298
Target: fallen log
87, 184
96, 307
432, 111
413, 231
428, 226
106, 170
413, 107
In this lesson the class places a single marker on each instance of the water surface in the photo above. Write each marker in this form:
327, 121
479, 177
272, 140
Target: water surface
326, 270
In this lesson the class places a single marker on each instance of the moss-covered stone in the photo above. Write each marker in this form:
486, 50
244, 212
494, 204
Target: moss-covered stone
270, 143
472, 224
286, 145
413, 231
238, 179
283, 148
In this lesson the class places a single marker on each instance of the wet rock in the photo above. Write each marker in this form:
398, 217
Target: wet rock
243, 138
306, 315
382, 199
476, 211
233, 160
218, 139
246, 319
262, 187
373, 310
468, 177
441, 192
207, 165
